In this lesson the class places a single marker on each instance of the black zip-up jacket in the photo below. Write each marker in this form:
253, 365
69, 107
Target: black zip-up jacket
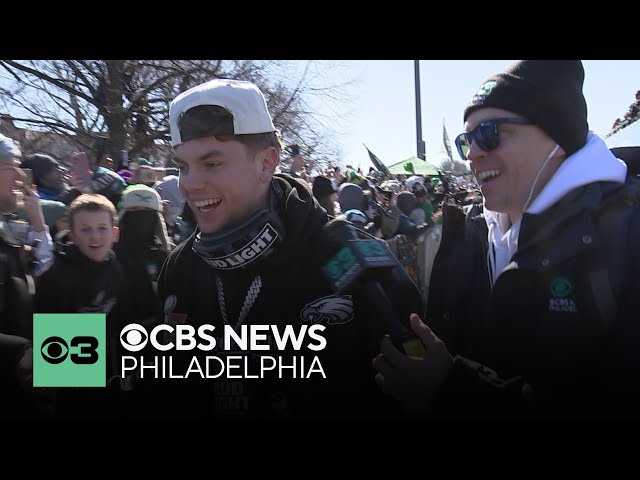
294, 292
557, 335
16, 326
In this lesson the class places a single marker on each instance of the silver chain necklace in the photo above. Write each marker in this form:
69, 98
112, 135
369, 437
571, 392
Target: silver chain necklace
249, 300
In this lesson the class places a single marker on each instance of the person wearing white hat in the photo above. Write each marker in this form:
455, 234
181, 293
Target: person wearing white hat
257, 258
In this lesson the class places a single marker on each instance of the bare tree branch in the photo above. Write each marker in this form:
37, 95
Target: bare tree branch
129, 100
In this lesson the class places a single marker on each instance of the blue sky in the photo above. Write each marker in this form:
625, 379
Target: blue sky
377, 106
382, 110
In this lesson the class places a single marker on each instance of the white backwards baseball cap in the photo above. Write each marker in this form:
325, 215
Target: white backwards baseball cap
243, 100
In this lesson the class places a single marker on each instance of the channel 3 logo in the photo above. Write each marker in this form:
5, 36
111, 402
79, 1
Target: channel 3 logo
70, 350
55, 350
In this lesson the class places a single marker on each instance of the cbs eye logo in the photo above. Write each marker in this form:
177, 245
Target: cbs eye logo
134, 337
73, 350
55, 350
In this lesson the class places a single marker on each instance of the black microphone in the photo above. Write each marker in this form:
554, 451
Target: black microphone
370, 266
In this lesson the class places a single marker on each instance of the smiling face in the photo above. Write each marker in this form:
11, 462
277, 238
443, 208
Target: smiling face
507, 173
224, 181
92, 231
11, 177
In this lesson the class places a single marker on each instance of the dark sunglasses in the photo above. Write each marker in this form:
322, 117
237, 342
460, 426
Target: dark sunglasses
486, 135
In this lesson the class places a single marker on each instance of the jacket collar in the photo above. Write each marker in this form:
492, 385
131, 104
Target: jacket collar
565, 230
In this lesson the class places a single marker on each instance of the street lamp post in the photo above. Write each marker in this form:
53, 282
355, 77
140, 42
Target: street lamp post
420, 143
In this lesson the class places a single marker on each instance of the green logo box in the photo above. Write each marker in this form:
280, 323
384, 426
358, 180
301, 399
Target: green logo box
69, 350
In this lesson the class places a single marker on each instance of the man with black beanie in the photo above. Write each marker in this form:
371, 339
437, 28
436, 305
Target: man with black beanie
47, 176
544, 295
325, 193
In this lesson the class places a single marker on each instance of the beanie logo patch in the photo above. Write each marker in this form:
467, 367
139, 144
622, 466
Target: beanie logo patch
143, 197
486, 88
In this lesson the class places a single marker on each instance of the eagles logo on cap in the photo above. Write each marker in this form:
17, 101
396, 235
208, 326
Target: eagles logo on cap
486, 88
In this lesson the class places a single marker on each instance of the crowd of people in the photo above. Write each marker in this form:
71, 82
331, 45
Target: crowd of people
630, 116
532, 306
387, 205
91, 245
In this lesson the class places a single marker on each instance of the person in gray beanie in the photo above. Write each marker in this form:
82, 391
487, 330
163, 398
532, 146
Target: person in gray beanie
19, 399
350, 197
533, 306
8, 149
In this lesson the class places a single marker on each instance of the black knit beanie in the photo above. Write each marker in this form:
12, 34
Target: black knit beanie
546, 92
322, 187
41, 164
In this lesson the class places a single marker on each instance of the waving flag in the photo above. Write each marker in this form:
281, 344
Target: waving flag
377, 162
445, 140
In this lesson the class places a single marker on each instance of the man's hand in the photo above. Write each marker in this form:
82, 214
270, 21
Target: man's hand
393, 201
32, 207
24, 369
166, 205
81, 174
410, 380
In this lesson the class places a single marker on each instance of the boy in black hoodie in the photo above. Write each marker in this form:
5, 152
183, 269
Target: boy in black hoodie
85, 278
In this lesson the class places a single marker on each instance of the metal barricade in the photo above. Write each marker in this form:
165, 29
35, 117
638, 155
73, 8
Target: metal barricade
416, 254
